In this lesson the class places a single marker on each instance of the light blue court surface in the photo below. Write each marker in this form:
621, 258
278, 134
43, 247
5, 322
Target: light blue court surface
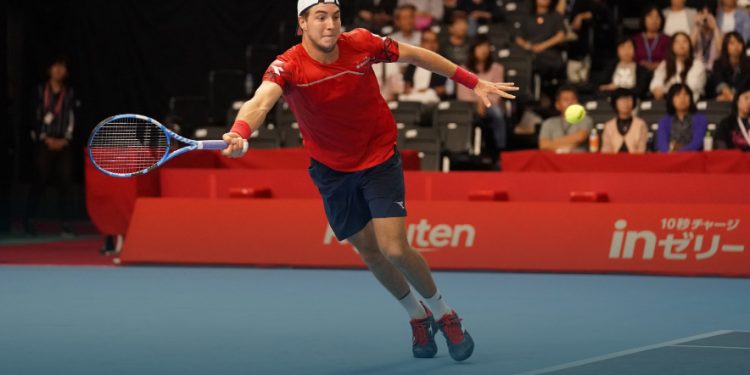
165, 320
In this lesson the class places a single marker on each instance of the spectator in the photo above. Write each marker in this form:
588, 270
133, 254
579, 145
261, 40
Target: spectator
625, 133
559, 135
390, 76
706, 38
734, 131
373, 15
421, 85
52, 133
678, 18
732, 70
651, 45
405, 25
593, 29
427, 11
731, 18
478, 12
457, 47
541, 34
683, 127
625, 72
481, 63
680, 66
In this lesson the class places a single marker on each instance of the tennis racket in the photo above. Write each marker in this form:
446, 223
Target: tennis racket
130, 145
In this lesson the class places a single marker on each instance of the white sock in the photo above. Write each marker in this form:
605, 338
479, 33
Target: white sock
438, 306
412, 306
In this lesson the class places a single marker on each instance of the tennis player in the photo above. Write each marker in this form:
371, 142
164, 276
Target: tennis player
350, 134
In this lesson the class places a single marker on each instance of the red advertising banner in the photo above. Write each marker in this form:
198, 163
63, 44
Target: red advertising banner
506, 236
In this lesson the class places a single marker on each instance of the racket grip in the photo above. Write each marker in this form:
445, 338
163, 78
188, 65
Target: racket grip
213, 145
218, 145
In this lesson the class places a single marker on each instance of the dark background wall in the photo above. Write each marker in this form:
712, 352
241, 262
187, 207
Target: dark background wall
124, 56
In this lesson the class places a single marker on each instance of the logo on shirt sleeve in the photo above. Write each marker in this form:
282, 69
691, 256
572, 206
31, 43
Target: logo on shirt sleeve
274, 72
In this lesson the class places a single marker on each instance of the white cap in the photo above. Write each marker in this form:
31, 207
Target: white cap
303, 5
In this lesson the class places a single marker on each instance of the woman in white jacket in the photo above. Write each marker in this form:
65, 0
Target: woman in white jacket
680, 66
625, 132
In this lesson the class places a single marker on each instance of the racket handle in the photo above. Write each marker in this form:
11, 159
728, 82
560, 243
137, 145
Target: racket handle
217, 145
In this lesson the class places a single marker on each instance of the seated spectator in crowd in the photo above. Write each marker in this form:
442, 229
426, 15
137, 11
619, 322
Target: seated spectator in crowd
405, 25
625, 72
478, 12
731, 71
683, 127
559, 135
732, 18
706, 38
680, 66
651, 45
390, 76
481, 63
457, 47
625, 133
733, 132
390, 79
373, 15
541, 34
678, 18
422, 85
427, 12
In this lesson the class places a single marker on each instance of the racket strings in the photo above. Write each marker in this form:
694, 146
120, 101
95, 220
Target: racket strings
128, 145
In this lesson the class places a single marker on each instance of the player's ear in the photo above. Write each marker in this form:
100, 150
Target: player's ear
302, 22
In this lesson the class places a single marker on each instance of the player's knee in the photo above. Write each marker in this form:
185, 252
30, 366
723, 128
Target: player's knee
395, 252
370, 254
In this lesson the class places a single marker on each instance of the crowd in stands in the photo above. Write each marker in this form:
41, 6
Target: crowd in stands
684, 58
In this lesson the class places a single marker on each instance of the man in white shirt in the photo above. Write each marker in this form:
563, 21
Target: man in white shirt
678, 17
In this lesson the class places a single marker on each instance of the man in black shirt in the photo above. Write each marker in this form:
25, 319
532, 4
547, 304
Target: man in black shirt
51, 134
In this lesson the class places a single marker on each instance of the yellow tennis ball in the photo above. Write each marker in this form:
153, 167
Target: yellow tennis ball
575, 113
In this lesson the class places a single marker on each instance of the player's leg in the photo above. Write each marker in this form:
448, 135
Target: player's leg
422, 322
391, 238
386, 273
348, 214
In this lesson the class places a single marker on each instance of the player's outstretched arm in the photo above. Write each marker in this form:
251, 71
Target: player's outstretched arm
251, 115
433, 62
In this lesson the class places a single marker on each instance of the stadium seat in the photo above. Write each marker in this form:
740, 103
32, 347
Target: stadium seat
714, 111
266, 136
189, 112
406, 113
454, 123
426, 142
599, 111
208, 132
225, 86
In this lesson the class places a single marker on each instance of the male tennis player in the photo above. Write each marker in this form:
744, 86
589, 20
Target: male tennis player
350, 135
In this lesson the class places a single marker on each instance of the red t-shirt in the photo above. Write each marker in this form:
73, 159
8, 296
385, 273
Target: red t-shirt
345, 122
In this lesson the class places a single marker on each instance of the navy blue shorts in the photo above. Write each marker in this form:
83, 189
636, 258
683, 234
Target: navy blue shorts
352, 199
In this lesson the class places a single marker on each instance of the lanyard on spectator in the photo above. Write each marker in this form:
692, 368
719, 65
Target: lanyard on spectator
743, 130
650, 47
48, 99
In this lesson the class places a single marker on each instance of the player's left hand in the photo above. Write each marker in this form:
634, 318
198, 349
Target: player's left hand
486, 88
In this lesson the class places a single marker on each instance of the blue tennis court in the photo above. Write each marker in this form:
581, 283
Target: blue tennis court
185, 320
